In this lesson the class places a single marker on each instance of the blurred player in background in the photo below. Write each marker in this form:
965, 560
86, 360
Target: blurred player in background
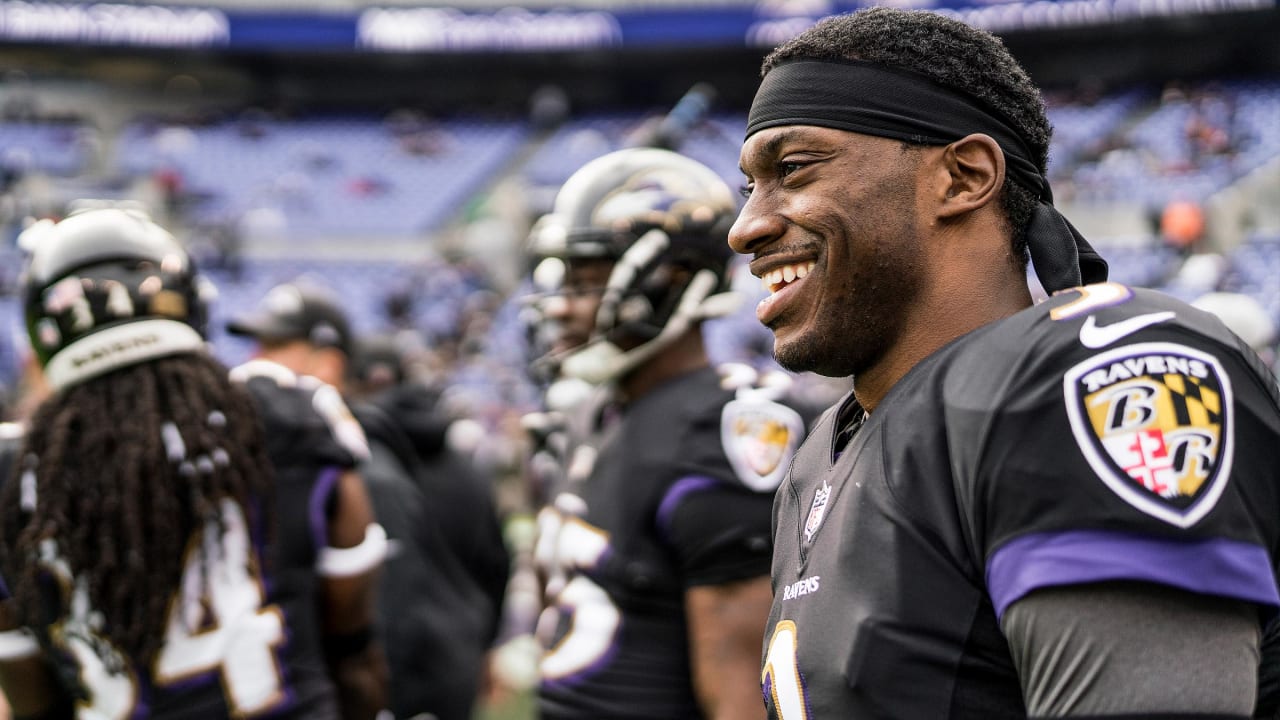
1247, 318
164, 557
443, 597
441, 592
654, 546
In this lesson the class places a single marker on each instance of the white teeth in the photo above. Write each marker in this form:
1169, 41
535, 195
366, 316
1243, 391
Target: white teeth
775, 280
771, 279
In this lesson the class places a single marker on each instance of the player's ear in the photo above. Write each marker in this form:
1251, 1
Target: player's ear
974, 174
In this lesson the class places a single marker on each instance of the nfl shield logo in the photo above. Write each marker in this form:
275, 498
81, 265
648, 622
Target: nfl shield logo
817, 511
1154, 421
759, 438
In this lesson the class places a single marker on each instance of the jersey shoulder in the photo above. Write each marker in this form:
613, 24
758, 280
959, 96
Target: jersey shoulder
303, 417
1096, 317
1075, 329
715, 423
1145, 402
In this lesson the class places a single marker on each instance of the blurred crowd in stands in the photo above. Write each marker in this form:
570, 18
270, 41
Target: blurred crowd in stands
419, 221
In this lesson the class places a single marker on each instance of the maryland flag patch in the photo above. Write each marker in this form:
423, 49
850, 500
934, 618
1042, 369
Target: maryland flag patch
759, 438
1154, 421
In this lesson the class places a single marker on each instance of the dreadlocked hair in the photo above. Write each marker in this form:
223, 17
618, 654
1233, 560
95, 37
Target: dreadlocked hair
954, 55
122, 494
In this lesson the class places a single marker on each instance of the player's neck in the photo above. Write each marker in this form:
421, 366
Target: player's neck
683, 356
949, 312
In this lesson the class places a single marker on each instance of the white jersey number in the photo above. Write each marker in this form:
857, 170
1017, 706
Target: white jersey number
567, 546
220, 623
113, 690
216, 622
112, 694
781, 675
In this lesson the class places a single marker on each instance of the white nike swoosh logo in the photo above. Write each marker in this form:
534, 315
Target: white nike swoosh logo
1092, 336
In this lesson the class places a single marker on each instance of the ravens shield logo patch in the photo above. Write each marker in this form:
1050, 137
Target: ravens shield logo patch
759, 438
1154, 421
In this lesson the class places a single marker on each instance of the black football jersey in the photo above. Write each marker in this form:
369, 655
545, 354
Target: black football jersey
312, 439
671, 492
247, 642
1107, 434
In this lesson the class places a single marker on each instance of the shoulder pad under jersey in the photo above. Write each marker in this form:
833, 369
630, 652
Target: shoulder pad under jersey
296, 402
759, 433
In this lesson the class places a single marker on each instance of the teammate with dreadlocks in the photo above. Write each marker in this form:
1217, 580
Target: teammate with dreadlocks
155, 557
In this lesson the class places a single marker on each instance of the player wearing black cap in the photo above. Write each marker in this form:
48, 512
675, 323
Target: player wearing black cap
1051, 511
302, 326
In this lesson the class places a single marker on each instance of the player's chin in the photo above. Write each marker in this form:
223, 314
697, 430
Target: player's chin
794, 349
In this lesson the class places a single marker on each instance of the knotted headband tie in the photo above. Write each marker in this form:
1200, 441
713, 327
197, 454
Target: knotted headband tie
873, 99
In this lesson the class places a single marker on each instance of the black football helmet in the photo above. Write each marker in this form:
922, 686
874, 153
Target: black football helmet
651, 212
107, 288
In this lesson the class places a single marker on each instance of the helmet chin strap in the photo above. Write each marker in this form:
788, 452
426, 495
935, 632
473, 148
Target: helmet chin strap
600, 361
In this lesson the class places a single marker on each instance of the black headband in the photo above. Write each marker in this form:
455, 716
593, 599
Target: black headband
873, 99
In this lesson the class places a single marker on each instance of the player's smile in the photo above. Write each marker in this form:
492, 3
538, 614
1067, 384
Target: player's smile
782, 282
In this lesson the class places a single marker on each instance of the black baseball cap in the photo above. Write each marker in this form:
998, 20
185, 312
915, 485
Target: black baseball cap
296, 311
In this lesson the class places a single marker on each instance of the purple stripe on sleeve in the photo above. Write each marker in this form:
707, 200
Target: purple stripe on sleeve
320, 492
1215, 566
676, 494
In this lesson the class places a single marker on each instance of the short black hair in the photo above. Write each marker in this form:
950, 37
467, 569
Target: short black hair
952, 54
